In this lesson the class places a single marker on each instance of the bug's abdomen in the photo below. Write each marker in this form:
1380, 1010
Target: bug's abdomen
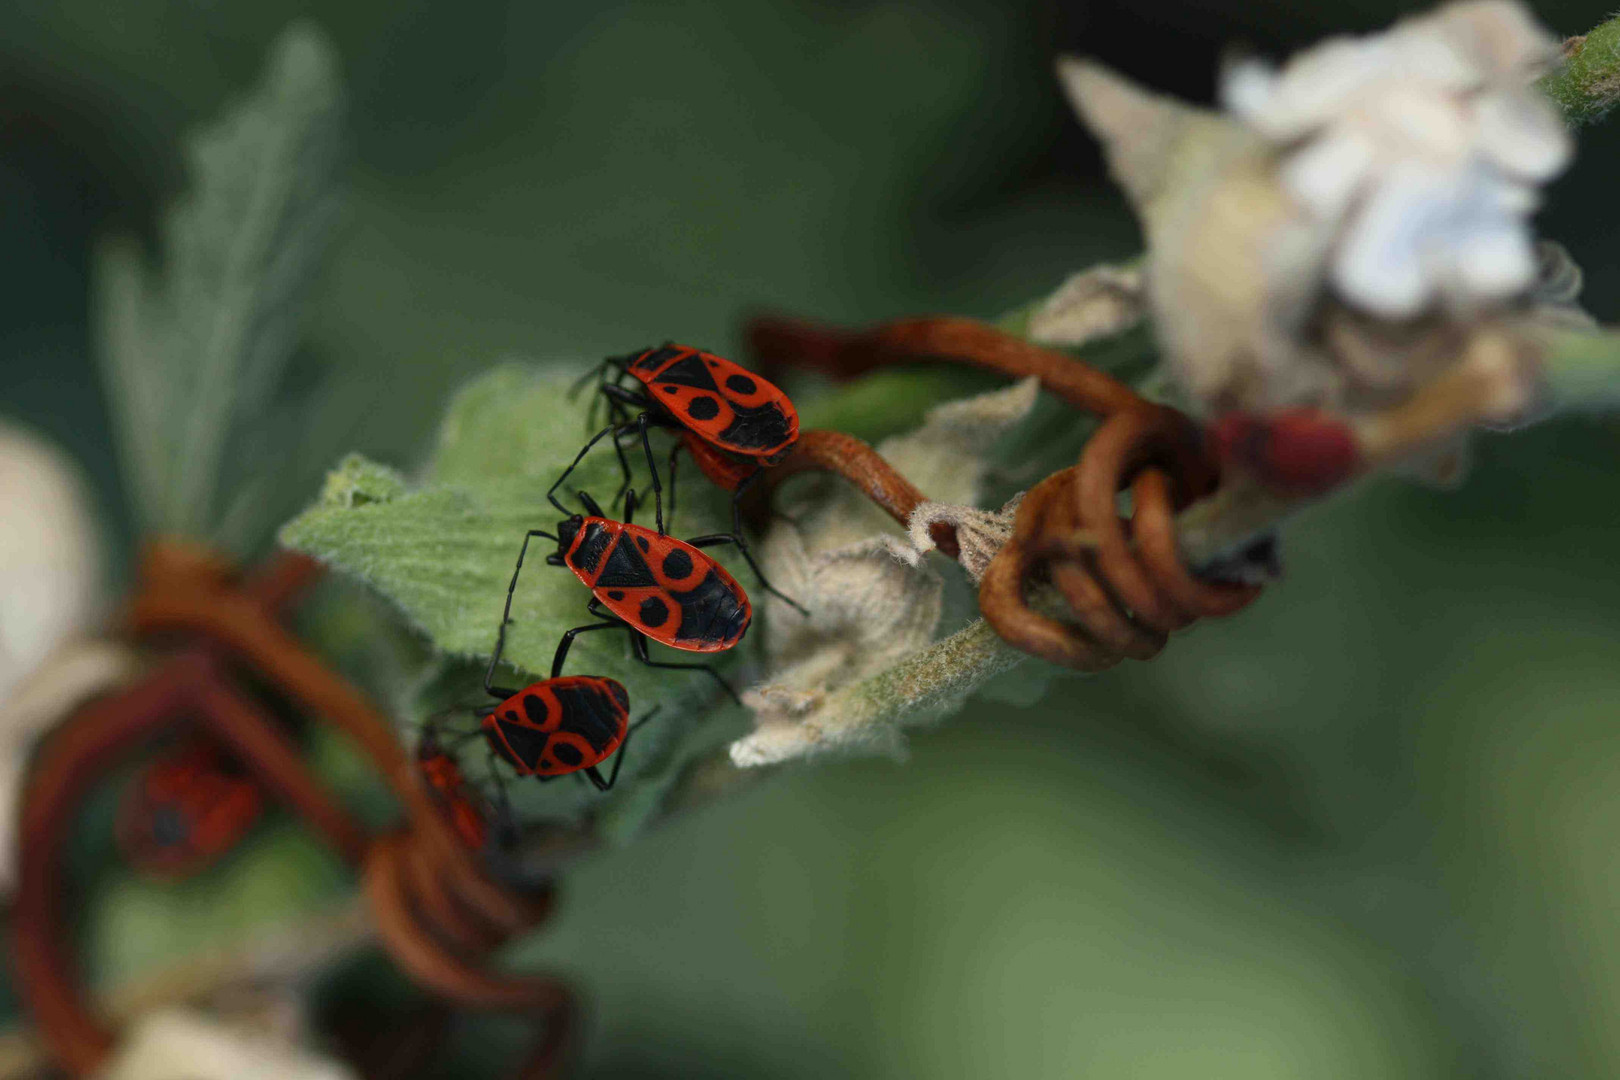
719, 469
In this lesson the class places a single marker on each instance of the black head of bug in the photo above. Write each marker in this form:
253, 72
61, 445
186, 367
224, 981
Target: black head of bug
567, 529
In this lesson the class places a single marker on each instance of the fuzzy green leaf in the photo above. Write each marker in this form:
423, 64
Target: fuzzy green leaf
194, 353
1587, 86
444, 553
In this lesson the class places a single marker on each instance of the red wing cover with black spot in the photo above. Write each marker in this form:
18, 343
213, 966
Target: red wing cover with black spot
450, 790
664, 587
559, 726
184, 811
726, 405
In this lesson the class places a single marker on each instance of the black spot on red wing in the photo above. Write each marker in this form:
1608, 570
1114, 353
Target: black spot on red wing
653, 612
759, 427
591, 546
711, 611
677, 564
671, 389
703, 407
590, 714
641, 542
742, 384
688, 372
620, 694
615, 594
625, 568
534, 707
568, 754
526, 744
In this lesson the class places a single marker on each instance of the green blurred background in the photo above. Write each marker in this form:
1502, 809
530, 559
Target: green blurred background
1364, 829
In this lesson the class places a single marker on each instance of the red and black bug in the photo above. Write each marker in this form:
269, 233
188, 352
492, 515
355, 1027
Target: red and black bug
455, 796
563, 725
185, 810
733, 422
646, 583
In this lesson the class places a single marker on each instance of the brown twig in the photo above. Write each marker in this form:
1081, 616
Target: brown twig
845, 353
855, 461
1123, 580
436, 909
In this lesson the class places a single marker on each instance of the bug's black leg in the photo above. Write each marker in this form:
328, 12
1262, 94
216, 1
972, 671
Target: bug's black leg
742, 541
638, 645
624, 466
652, 469
674, 452
618, 411
592, 507
568, 640
505, 820
552, 493
506, 616
616, 393
742, 545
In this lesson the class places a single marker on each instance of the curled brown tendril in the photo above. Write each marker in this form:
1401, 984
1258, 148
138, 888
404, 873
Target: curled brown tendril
1121, 579
855, 461
434, 908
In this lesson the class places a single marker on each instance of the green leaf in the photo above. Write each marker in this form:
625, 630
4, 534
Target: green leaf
1587, 86
135, 924
444, 552
194, 353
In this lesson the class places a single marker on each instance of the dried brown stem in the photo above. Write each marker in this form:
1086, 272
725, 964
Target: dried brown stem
1123, 581
909, 341
436, 909
855, 461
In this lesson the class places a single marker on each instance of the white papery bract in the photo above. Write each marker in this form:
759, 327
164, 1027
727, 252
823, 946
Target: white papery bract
1418, 153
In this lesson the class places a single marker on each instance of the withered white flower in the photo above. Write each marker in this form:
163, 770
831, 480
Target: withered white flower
1421, 149
50, 582
872, 598
1091, 304
1341, 234
50, 559
979, 533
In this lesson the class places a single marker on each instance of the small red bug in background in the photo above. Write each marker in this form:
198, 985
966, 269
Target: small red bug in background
733, 422
451, 791
1299, 451
185, 810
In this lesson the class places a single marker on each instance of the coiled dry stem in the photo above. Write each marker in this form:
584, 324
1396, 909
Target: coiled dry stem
434, 908
1121, 578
